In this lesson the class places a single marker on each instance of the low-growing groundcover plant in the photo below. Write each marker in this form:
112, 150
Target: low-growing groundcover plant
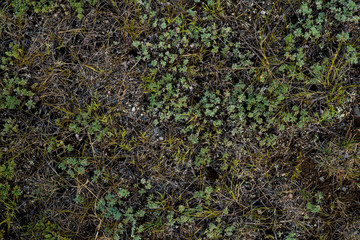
179, 119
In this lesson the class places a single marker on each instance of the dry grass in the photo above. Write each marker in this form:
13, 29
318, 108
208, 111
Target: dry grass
93, 160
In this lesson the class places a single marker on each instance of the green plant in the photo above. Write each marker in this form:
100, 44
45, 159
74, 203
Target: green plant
191, 131
74, 166
41, 5
9, 211
313, 202
214, 8
315, 26
55, 144
43, 228
91, 122
9, 127
11, 56
79, 6
237, 105
8, 193
213, 231
15, 93
115, 207
290, 236
22, 6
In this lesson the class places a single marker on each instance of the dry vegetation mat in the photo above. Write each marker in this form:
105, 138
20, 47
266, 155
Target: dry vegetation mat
179, 119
